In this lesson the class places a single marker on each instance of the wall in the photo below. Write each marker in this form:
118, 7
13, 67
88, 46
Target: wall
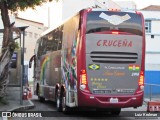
152, 68
32, 33
152, 44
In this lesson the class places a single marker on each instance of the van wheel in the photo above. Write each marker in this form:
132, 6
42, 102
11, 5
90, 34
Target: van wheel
116, 111
58, 102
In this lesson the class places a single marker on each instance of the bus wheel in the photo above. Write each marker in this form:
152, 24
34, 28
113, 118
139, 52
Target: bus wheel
41, 99
37, 90
65, 109
58, 102
116, 111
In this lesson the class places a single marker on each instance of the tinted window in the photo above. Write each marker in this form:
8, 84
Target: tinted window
51, 42
99, 21
36, 47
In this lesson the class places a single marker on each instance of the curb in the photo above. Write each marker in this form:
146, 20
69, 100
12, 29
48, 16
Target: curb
23, 107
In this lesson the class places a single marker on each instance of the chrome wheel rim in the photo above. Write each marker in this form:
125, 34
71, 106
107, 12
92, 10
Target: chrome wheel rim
63, 104
58, 102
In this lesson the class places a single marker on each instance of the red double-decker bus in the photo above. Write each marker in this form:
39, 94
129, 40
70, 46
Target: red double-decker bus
95, 59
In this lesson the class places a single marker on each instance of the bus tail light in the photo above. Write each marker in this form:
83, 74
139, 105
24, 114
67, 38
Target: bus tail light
141, 81
115, 32
83, 81
112, 9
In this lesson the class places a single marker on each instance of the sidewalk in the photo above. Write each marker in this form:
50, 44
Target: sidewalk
13, 101
15, 105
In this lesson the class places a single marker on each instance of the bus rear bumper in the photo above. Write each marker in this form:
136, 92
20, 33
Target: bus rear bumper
97, 101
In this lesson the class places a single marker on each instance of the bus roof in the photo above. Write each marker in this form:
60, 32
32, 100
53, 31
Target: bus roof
56, 26
92, 9
118, 10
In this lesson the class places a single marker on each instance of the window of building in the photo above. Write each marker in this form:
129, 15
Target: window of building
152, 36
148, 26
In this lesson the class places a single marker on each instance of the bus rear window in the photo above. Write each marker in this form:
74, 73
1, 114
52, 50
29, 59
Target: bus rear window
103, 21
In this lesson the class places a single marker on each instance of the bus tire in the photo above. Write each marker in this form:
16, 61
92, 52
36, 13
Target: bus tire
116, 111
58, 101
37, 90
65, 109
41, 99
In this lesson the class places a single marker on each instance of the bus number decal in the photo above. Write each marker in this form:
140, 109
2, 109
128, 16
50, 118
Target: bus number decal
135, 74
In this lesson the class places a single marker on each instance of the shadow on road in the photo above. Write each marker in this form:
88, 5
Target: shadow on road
78, 112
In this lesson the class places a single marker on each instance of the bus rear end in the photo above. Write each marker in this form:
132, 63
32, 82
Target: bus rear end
112, 60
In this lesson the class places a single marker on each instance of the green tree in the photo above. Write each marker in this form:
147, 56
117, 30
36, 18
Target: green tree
8, 44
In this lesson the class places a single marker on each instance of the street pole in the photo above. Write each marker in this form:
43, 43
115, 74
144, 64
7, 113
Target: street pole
21, 88
22, 63
20, 40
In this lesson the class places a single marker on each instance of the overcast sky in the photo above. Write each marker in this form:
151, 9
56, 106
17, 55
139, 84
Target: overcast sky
144, 3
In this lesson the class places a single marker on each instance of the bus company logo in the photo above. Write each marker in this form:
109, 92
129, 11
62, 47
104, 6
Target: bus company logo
115, 43
93, 66
133, 67
114, 19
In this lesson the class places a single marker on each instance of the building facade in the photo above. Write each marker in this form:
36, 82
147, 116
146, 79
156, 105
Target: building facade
32, 33
152, 66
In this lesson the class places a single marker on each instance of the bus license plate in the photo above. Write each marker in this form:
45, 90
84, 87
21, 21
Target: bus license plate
113, 100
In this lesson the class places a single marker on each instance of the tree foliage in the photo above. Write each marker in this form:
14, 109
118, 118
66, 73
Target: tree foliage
15, 5
8, 44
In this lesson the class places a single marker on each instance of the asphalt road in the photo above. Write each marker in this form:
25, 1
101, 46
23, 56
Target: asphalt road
48, 112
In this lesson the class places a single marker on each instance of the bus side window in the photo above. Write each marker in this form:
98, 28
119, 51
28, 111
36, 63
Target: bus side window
55, 40
54, 43
36, 47
60, 34
40, 48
